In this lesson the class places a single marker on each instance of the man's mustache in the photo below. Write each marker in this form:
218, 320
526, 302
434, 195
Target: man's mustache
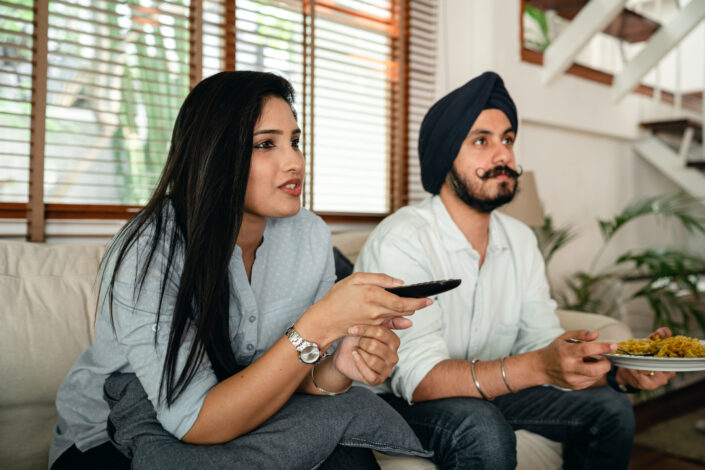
499, 170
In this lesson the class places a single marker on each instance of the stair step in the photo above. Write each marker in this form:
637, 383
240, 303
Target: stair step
699, 164
629, 25
675, 127
658, 154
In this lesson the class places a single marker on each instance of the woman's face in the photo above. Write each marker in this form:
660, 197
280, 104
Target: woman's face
277, 166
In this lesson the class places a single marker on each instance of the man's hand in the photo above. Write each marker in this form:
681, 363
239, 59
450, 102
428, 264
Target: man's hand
575, 365
644, 379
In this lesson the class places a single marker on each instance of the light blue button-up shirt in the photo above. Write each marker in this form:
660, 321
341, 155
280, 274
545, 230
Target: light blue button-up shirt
293, 269
499, 309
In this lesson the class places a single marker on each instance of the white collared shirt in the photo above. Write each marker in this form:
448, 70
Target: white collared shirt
499, 309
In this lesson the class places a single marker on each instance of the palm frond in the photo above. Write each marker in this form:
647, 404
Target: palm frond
666, 263
672, 309
677, 206
551, 239
596, 294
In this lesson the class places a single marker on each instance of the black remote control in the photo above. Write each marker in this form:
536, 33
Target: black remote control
425, 289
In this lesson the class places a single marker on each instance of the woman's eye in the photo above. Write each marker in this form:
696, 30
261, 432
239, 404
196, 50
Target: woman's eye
509, 140
480, 141
267, 144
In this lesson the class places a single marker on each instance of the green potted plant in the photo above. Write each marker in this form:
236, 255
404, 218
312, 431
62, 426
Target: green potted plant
666, 279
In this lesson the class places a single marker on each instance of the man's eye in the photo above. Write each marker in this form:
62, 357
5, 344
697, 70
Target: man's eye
295, 143
267, 144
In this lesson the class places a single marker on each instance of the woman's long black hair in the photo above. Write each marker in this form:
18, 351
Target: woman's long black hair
204, 180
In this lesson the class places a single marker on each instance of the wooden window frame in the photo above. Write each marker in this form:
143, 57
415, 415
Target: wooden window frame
37, 212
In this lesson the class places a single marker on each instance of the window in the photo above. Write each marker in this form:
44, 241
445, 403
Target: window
16, 27
338, 55
116, 76
422, 84
117, 71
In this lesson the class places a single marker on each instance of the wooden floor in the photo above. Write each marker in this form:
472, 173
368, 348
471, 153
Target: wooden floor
658, 410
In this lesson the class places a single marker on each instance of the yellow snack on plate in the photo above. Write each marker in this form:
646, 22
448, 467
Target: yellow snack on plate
675, 346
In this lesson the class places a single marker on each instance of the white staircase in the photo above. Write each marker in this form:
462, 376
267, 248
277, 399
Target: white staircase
669, 162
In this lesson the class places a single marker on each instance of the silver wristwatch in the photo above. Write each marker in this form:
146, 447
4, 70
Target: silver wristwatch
308, 351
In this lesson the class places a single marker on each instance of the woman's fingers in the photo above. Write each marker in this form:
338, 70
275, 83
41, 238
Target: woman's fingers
399, 305
398, 323
369, 376
378, 347
375, 279
374, 337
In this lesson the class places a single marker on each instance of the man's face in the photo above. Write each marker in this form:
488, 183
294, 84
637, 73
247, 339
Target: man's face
484, 173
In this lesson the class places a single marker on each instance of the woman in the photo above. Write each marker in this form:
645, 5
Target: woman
199, 289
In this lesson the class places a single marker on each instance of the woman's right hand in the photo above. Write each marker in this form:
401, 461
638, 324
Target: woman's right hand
359, 299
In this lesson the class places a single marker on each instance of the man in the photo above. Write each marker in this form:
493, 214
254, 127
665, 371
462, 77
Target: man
472, 366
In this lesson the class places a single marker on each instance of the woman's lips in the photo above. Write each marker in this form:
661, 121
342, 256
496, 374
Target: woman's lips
292, 188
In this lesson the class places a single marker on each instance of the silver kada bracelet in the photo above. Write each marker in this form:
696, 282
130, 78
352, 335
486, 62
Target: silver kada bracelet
474, 379
504, 376
323, 390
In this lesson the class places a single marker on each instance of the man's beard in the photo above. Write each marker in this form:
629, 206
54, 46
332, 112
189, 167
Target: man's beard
470, 193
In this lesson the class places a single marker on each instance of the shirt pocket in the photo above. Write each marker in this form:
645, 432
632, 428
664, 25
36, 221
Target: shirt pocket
501, 340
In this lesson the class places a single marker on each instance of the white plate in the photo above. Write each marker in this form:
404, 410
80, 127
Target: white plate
664, 364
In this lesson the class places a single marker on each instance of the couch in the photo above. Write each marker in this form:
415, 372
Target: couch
47, 314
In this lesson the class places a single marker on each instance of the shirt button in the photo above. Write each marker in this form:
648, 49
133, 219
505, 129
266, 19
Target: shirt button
252, 318
155, 327
250, 347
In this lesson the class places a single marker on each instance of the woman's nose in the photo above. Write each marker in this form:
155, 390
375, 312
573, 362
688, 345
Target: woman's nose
293, 161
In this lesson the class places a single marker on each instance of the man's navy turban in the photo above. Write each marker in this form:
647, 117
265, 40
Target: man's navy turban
448, 122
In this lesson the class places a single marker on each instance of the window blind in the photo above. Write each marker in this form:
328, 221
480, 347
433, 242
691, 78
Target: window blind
422, 82
111, 74
214, 14
117, 74
16, 29
337, 55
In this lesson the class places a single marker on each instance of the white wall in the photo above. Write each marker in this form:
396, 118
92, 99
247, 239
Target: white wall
571, 133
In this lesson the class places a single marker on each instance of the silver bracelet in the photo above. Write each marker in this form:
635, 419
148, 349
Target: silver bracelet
504, 376
474, 379
323, 390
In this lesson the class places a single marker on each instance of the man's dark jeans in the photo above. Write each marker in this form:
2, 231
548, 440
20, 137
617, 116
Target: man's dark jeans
596, 427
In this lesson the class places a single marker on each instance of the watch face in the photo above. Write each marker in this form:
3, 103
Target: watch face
310, 354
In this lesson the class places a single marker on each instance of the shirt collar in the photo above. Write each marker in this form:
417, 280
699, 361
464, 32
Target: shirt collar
453, 238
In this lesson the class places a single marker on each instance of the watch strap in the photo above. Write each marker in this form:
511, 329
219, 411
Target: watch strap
296, 339
301, 344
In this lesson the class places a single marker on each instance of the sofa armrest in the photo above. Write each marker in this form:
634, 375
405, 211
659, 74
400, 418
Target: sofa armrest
609, 328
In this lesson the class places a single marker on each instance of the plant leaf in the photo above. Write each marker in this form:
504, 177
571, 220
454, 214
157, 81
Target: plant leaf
670, 206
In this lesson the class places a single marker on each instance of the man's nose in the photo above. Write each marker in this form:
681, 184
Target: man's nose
503, 155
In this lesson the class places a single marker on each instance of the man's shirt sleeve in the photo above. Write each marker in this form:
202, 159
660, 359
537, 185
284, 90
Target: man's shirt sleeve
422, 345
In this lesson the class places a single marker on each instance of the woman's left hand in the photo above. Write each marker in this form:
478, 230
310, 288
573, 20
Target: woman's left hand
368, 354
